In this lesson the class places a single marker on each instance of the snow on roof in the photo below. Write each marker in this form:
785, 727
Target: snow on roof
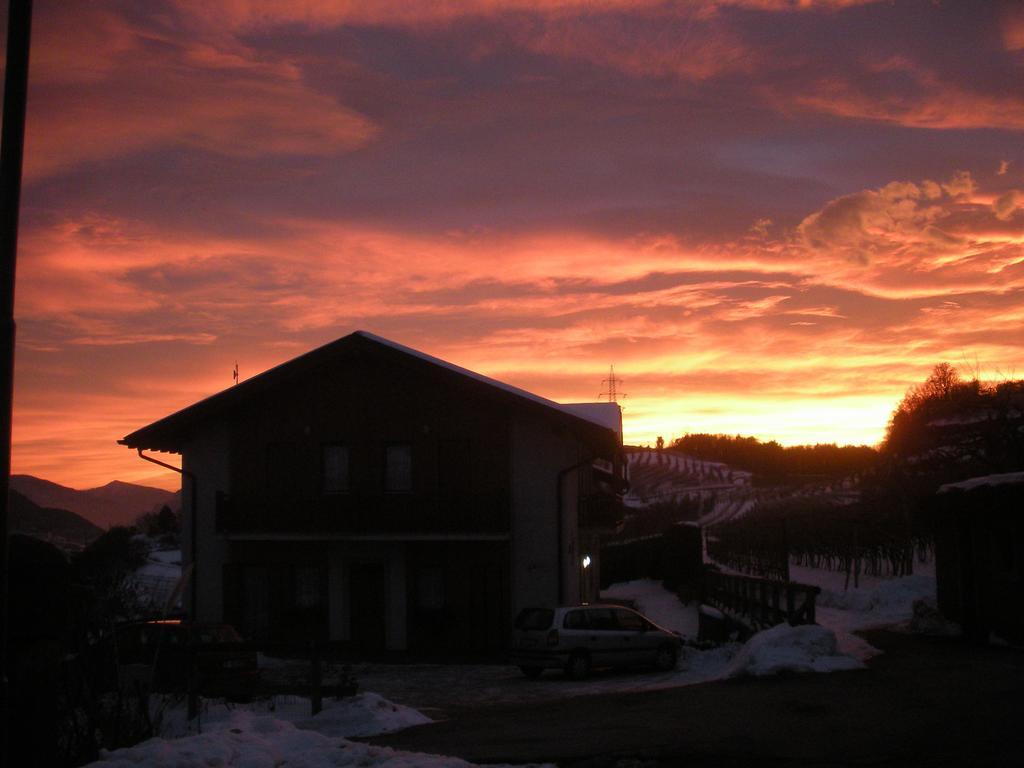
606, 414
1006, 478
457, 369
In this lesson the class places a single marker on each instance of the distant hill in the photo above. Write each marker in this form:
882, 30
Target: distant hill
669, 486
115, 503
63, 529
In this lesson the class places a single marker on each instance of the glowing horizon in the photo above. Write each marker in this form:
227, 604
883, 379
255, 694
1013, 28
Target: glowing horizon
765, 233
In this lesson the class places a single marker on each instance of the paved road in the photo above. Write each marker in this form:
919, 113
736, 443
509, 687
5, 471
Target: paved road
924, 702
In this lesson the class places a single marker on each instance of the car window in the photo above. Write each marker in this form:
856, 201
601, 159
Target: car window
601, 618
535, 618
629, 621
575, 620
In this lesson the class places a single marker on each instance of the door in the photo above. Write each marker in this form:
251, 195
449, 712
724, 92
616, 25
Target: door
604, 637
635, 644
368, 600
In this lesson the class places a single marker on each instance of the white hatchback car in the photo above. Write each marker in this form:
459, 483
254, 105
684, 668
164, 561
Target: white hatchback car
582, 637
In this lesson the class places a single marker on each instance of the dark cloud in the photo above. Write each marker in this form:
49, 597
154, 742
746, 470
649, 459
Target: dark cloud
774, 216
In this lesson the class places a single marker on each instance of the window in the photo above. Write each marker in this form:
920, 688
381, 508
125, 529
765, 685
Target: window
575, 620
334, 460
398, 468
602, 618
629, 621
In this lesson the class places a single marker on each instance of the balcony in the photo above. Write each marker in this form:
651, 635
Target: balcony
601, 512
378, 514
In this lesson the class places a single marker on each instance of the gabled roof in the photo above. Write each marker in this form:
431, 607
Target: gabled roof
169, 433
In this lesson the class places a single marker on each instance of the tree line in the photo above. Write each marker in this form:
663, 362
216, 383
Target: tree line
771, 463
945, 429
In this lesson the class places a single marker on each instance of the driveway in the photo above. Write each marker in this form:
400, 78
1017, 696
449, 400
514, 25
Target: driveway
924, 702
444, 691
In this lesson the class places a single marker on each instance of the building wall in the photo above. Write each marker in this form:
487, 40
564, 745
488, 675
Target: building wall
458, 439
277, 590
485, 484
207, 458
979, 553
540, 451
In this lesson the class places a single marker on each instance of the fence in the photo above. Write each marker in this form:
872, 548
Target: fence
761, 602
254, 686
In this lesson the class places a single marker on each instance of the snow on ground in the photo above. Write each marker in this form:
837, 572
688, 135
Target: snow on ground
444, 690
366, 714
161, 563
876, 602
280, 732
249, 740
155, 580
1008, 478
781, 648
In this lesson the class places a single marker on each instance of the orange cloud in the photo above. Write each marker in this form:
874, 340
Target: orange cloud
831, 341
932, 103
256, 14
1013, 28
908, 239
121, 88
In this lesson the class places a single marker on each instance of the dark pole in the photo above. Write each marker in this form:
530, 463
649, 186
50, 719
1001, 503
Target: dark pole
12, 143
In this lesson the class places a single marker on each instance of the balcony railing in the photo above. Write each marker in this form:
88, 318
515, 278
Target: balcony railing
601, 512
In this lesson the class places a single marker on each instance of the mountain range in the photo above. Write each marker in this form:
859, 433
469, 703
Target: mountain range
65, 530
115, 503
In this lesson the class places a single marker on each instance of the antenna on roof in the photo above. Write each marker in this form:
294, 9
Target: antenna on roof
234, 373
611, 387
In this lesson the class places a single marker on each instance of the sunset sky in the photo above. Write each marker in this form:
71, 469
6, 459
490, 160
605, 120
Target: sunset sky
772, 216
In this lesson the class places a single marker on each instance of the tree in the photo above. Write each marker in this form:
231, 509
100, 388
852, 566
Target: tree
106, 566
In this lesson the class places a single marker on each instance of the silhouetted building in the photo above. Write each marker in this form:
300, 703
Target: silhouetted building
979, 555
370, 493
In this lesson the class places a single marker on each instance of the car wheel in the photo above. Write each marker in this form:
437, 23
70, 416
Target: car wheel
665, 659
578, 666
531, 672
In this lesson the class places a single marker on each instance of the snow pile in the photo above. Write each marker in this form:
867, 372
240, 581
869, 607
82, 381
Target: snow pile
366, 714
701, 665
886, 603
656, 603
262, 741
783, 648
878, 602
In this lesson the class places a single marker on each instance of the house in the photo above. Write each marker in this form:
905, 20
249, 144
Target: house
369, 493
979, 555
